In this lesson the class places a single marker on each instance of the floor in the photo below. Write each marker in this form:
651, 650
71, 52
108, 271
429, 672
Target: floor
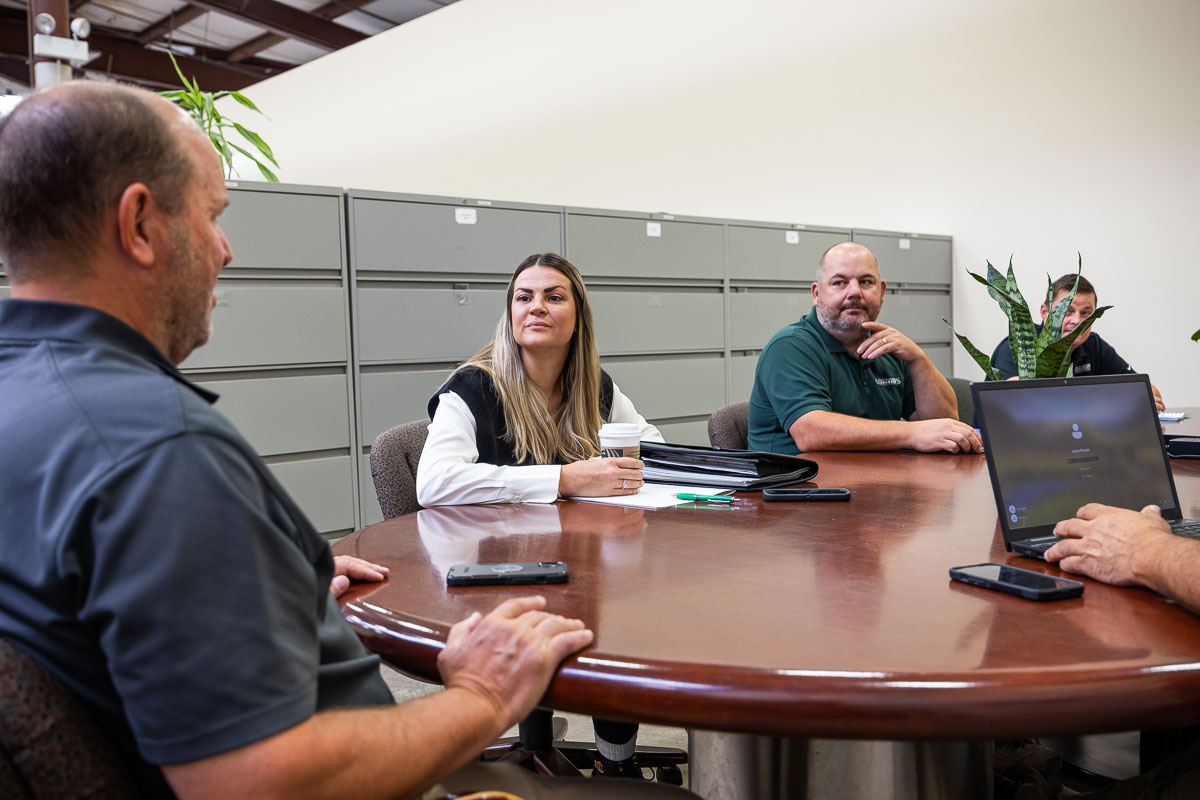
579, 727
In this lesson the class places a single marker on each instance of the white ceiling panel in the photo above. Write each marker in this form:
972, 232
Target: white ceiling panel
293, 52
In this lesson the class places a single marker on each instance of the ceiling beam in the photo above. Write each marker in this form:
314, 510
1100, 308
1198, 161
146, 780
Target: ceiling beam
123, 58
172, 21
286, 21
330, 10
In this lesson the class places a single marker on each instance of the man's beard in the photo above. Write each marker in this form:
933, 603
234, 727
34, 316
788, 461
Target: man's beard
190, 320
847, 325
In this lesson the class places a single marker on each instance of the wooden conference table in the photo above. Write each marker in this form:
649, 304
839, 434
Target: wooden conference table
797, 621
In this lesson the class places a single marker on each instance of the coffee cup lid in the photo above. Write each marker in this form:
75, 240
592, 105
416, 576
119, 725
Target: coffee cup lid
620, 430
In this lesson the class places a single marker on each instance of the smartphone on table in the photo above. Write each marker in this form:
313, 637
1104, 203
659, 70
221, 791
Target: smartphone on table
525, 572
1016, 581
806, 495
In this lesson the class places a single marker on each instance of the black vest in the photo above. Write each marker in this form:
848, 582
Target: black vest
477, 390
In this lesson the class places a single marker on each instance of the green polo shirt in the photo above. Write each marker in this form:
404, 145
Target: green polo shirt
805, 369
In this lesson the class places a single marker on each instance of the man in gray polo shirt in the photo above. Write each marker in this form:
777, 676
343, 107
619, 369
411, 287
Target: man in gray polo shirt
150, 560
839, 380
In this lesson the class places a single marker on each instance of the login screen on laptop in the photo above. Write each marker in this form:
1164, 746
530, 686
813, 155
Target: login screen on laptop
1057, 445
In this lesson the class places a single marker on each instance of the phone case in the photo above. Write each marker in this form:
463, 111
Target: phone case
527, 572
1054, 590
806, 495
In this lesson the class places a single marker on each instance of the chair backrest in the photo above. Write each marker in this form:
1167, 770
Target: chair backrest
394, 457
50, 745
727, 426
962, 393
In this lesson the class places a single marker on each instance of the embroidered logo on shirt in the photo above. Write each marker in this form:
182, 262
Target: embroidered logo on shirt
887, 381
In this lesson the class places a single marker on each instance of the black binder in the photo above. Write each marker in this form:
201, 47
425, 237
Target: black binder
1182, 446
729, 469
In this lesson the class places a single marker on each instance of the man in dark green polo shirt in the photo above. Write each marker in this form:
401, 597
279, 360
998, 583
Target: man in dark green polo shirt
839, 380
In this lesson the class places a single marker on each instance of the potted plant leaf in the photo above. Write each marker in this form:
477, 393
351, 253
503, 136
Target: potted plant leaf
1038, 354
201, 106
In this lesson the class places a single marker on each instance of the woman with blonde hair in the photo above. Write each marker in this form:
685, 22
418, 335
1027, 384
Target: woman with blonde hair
519, 422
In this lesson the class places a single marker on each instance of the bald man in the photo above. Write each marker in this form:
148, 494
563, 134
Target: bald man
839, 380
151, 560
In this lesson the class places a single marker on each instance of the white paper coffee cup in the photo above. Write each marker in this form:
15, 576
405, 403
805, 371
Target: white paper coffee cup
620, 439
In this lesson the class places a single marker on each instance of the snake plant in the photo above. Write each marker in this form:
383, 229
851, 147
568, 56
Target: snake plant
1044, 354
201, 107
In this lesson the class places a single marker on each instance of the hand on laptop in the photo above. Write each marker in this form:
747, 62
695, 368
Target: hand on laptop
1109, 544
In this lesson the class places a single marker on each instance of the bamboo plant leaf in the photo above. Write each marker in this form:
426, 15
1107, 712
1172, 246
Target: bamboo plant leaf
257, 141
270, 176
981, 359
246, 101
1196, 336
222, 146
201, 106
178, 71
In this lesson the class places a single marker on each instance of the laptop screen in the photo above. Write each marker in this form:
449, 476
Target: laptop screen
1055, 445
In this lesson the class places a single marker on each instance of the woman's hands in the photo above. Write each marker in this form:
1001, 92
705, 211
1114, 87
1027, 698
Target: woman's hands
601, 477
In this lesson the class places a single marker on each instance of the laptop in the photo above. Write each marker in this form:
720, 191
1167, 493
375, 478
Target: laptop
1056, 444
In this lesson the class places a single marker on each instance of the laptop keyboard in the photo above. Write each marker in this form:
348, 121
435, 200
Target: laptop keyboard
1186, 527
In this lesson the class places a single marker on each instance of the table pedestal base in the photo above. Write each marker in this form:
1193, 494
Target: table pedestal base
729, 766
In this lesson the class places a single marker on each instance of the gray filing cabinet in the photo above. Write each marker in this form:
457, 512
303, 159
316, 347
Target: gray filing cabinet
656, 283
429, 277
280, 351
771, 270
623, 244
917, 268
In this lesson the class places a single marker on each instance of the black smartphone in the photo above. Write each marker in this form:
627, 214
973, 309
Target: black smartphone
517, 573
806, 495
1016, 581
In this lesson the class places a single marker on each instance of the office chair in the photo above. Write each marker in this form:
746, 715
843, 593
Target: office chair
727, 426
966, 404
395, 454
50, 745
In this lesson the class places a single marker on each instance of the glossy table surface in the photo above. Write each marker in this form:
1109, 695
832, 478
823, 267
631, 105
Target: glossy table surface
802, 619
1185, 427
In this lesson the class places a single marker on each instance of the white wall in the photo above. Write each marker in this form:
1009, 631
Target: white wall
1039, 127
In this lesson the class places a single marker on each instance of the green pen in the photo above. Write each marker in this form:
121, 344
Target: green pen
707, 498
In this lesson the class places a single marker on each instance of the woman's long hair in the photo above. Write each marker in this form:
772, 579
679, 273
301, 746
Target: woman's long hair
537, 435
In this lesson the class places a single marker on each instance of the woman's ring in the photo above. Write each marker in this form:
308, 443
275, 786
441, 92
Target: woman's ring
885, 340
624, 481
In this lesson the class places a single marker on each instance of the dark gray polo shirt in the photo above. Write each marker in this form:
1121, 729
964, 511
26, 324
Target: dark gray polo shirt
803, 368
149, 558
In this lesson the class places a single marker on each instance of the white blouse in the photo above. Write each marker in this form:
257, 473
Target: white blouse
449, 473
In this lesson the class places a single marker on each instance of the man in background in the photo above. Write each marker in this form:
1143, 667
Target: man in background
1090, 355
150, 560
839, 380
